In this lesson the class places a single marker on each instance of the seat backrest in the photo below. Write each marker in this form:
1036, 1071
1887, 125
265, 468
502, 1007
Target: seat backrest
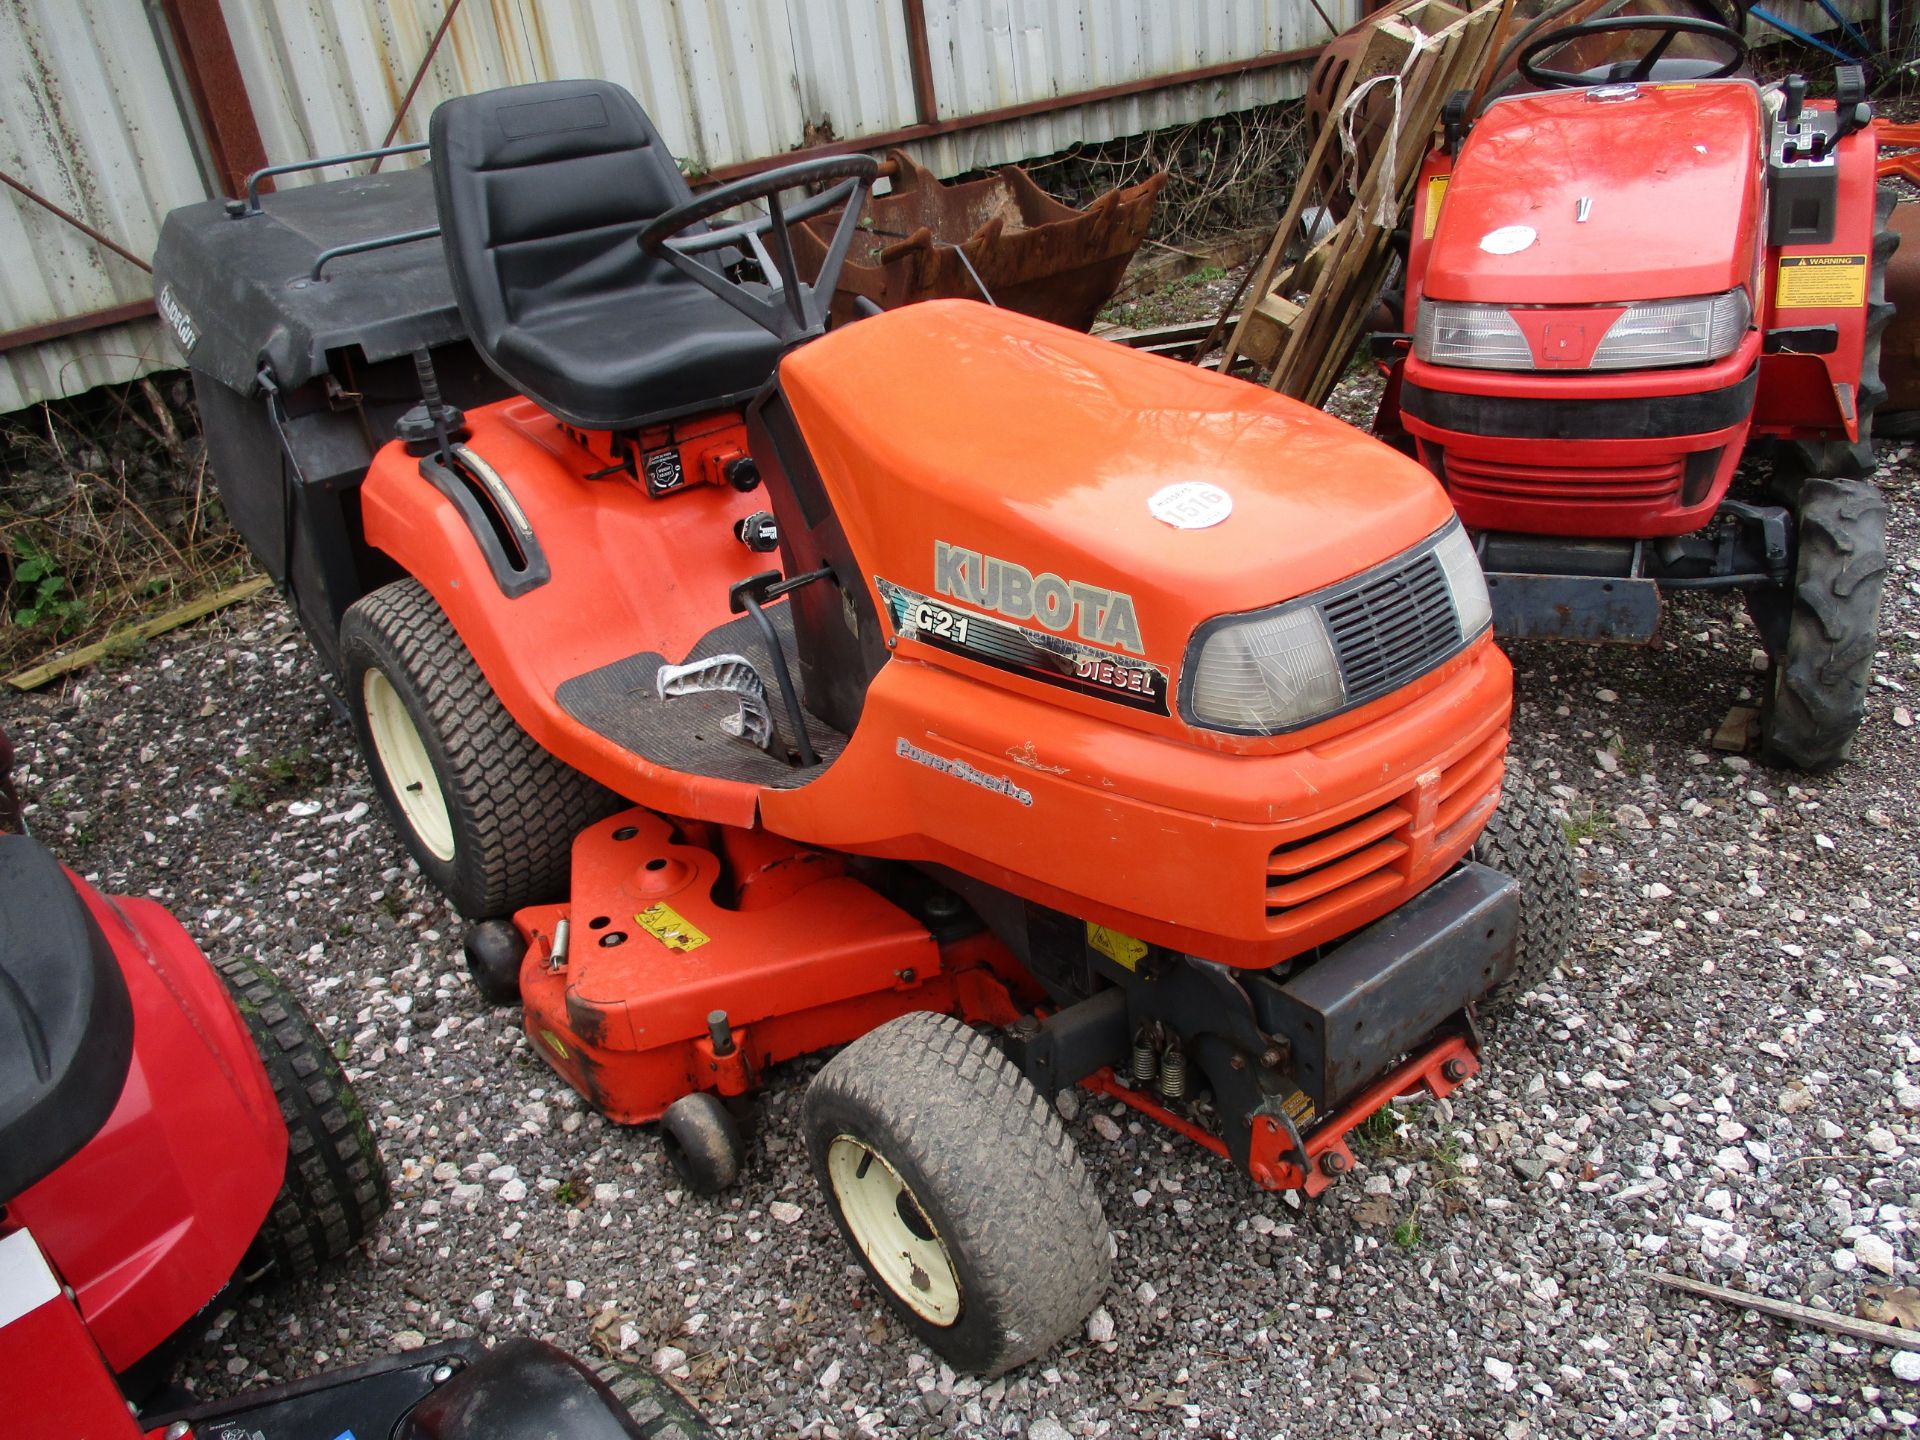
542, 189
66, 1019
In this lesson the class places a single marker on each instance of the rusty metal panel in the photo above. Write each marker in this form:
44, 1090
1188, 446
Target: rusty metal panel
89, 120
717, 76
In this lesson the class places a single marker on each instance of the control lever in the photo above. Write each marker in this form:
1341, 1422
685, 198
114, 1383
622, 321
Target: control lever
1850, 99
1795, 90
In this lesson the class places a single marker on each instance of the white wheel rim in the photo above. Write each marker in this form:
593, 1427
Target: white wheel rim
403, 758
893, 1231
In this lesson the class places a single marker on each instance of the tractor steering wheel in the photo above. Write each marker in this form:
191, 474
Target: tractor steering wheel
1667, 27
797, 310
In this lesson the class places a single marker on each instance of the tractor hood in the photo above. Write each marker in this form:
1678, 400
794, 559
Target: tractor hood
1667, 178
1119, 498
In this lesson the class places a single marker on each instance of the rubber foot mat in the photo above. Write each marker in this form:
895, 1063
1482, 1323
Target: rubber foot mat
621, 702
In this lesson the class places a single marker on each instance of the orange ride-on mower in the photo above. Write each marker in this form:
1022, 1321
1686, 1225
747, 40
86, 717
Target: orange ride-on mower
1006, 706
1615, 286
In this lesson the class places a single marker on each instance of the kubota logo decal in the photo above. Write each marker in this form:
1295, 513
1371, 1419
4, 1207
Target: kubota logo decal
1106, 617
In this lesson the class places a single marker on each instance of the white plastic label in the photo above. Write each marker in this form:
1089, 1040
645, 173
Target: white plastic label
1191, 505
1508, 239
26, 1282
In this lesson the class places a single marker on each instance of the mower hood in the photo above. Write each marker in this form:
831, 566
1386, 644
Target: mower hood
959, 441
1606, 195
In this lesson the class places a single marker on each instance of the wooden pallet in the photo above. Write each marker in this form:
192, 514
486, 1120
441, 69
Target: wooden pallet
1306, 316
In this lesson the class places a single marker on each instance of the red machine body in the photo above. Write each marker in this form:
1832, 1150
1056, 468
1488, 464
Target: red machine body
131, 1222
1565, 207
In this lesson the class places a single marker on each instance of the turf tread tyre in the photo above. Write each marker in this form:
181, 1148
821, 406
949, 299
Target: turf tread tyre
1524, 840
335, 1186
657, 1409
514, 807
1853, 459
993, 1167
1817, 694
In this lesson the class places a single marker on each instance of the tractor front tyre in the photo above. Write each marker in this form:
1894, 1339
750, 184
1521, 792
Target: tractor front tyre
956, 1185
335, 1185
487, 813
1523, 840
1817, 691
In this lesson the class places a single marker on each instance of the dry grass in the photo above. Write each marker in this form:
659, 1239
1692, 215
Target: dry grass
106, 517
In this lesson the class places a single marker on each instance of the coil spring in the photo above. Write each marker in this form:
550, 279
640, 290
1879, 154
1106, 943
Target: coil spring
1146, 1060
1173, 1071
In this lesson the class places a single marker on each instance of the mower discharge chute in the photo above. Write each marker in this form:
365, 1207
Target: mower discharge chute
1615, 286
1020, 709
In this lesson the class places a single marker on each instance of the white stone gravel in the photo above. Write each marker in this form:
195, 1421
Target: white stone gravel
1725, 1083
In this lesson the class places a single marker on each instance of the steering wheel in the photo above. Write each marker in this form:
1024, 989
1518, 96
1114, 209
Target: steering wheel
797, 311
1668, 27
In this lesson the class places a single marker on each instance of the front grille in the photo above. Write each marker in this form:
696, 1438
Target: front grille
1655, 484
1313, 877
1392, 626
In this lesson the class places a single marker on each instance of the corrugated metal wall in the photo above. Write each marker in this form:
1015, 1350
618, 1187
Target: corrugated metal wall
89, 119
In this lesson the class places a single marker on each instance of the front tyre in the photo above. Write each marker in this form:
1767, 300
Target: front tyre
958, 1188
487, 814
1817, 691
1524, 840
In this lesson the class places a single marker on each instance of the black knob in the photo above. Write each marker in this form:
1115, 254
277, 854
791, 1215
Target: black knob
1796, 92
759, 532
742, 474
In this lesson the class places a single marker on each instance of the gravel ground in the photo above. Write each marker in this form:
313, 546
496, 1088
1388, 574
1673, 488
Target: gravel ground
1725, 1083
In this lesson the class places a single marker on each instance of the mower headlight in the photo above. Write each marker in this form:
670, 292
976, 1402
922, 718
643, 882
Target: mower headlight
1675, 332
1276, 670
1483, 337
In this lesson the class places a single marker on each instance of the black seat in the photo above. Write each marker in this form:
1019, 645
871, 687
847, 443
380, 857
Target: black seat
66, 1021
542, 189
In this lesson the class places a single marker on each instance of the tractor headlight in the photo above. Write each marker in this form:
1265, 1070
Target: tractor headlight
1675, 332
1483, 337
1647, 335
1275, 670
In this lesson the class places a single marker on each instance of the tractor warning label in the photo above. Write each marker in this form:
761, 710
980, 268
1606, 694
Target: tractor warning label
1821, 282
671, 928
1119, 948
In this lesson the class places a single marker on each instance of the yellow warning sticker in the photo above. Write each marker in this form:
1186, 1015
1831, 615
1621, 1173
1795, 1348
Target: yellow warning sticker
1119, 948
554, 1040
1821, 282
1436, 192
671, 928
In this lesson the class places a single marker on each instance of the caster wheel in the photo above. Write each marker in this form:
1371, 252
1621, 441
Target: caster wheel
494, 952
702, 1143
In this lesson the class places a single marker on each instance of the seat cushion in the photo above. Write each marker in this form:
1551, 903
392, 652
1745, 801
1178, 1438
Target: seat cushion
66, 1022
699, 351
542, 191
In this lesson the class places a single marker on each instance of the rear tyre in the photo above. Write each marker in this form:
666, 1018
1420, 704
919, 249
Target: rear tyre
335, 1186
486, 812
1524, 840
1817, 691
1852, 459
702, 1143
957, 1187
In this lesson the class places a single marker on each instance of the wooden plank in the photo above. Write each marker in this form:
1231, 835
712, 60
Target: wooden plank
1871, 1331
38, 675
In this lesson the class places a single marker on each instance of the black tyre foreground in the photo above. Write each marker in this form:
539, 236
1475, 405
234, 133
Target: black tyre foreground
986, 1167
1525, 841
335, 1186
513, 808
702, 1143
657, 1410
1817, 694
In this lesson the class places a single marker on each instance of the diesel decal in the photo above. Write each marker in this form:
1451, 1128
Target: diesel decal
1103, 616
1020, 650
961, 770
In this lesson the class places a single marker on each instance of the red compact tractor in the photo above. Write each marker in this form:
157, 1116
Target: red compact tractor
1024, 710
1616, 285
